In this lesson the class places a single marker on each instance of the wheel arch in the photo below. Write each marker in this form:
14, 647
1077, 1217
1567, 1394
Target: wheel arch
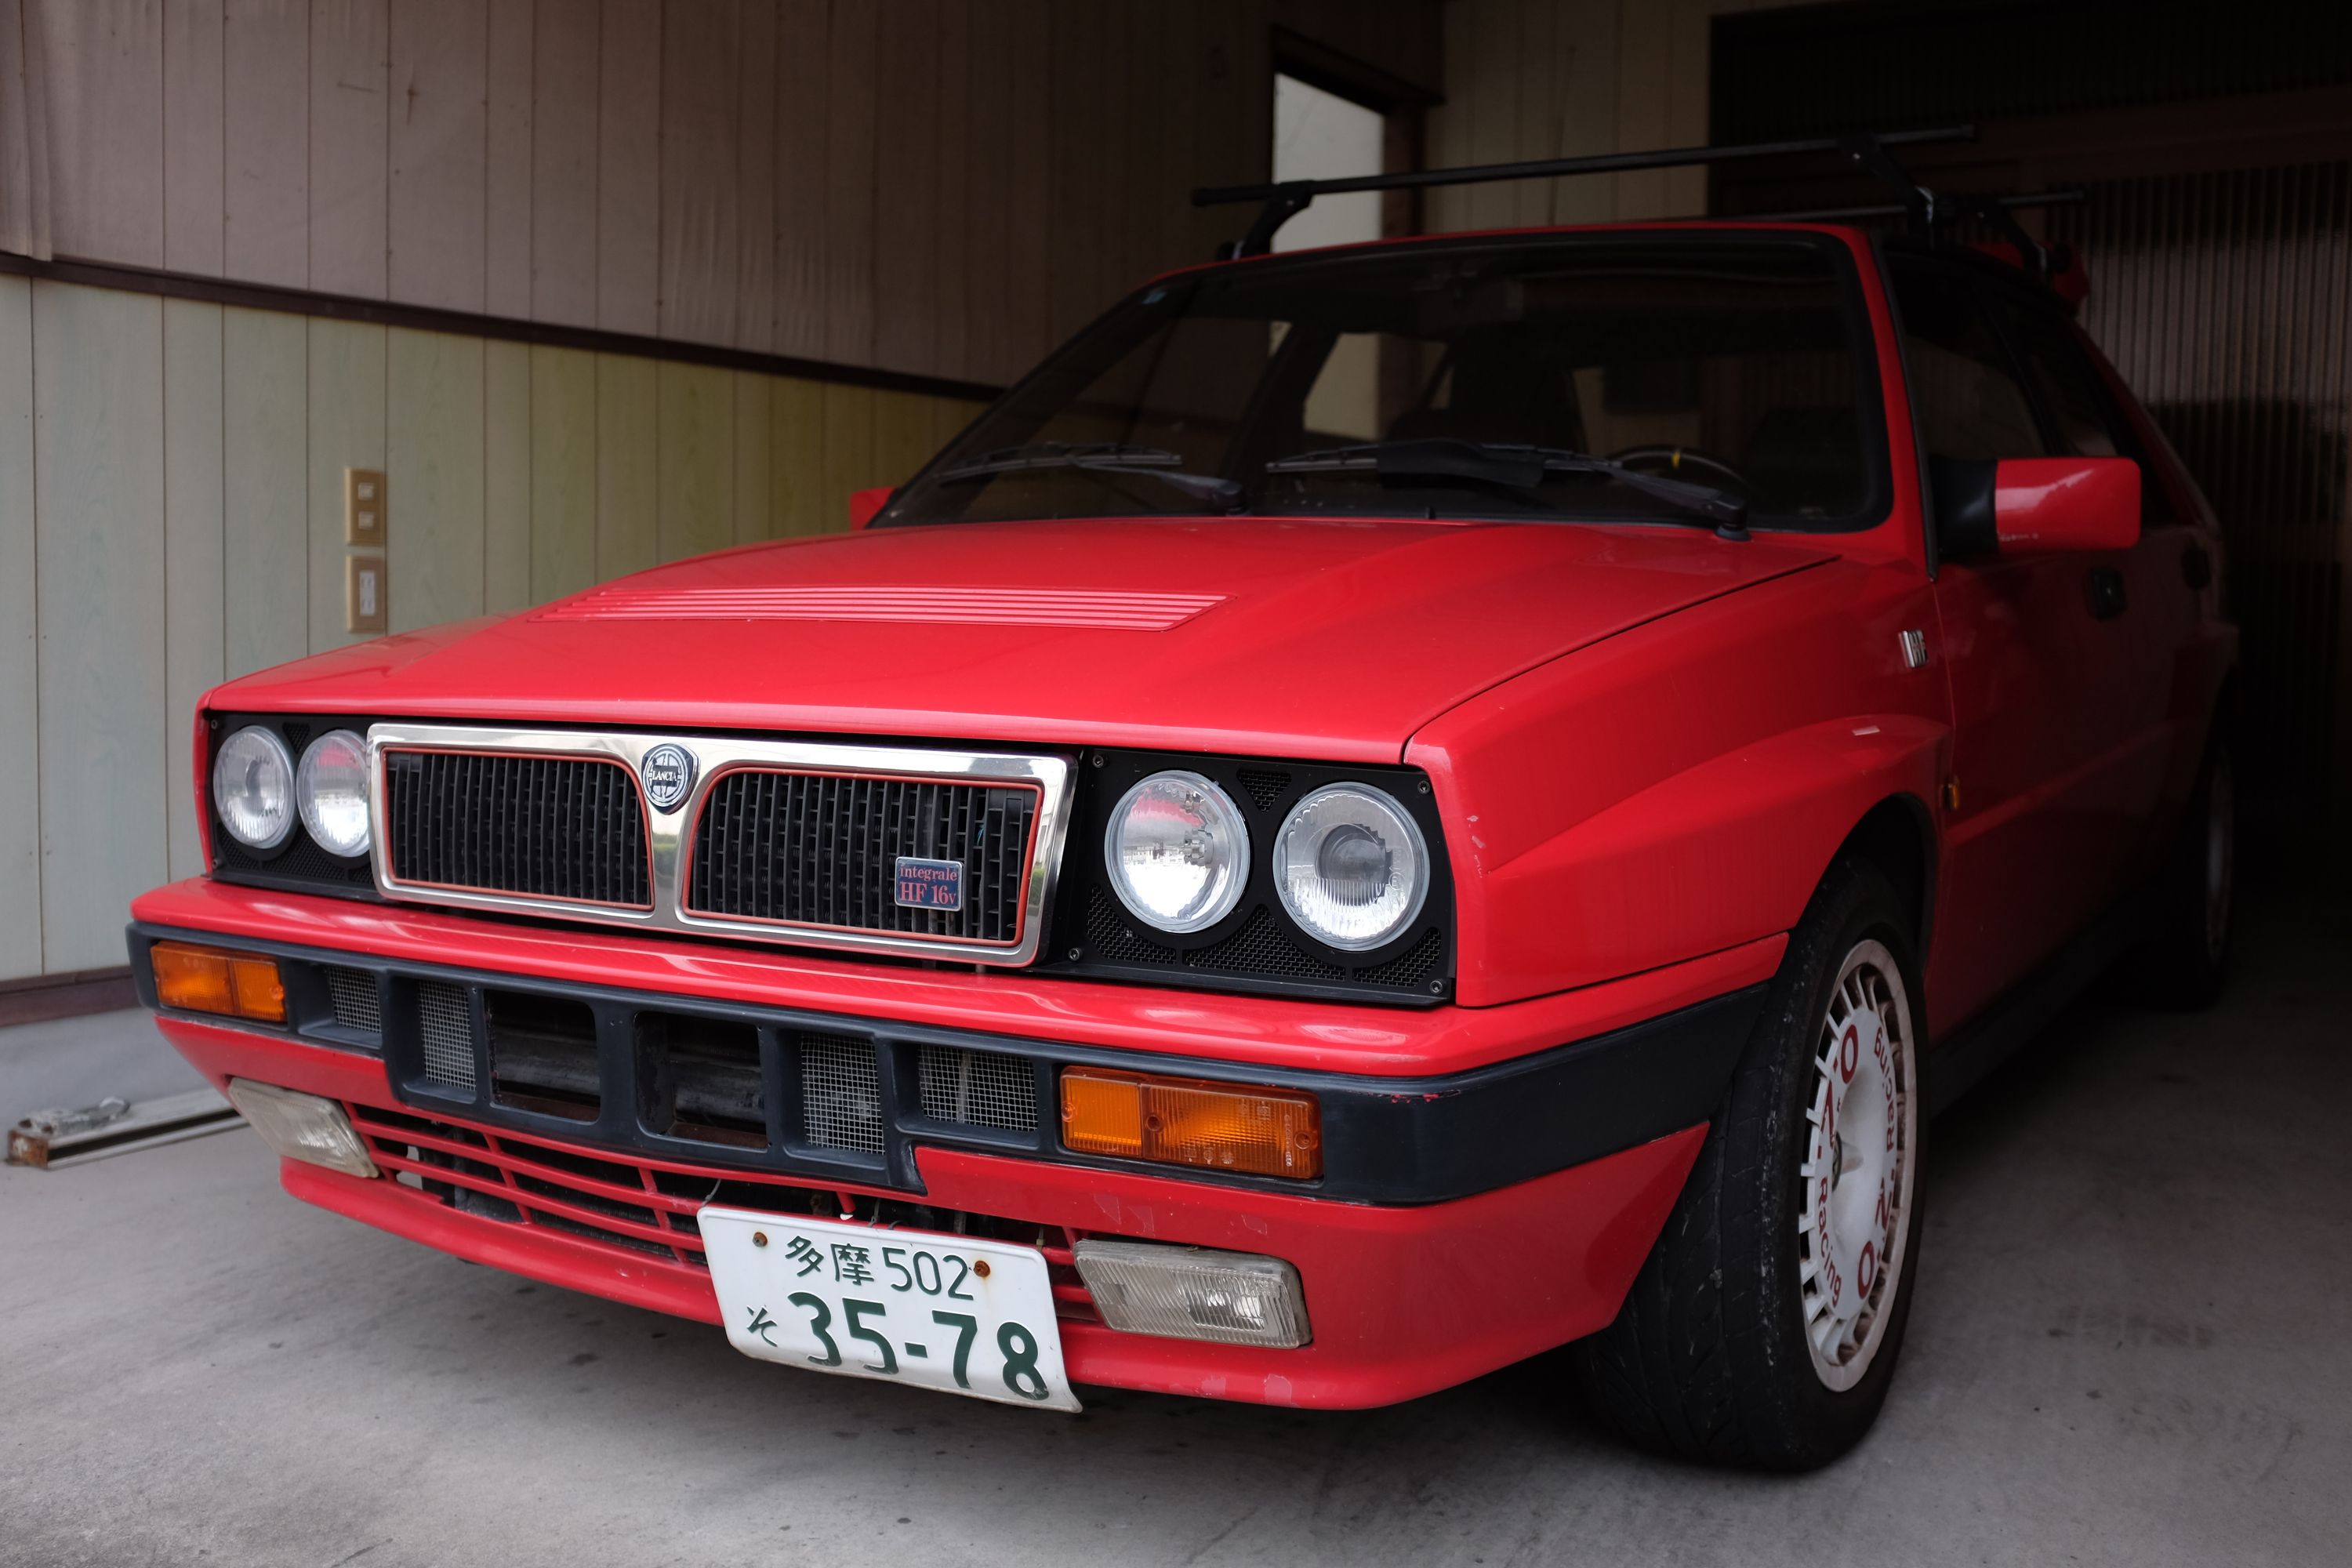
1898, 836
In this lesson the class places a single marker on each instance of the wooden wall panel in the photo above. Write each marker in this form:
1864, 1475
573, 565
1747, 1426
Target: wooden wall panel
506, 477
754, 490
755, 177
265, 488
507, 184
564, 477
848, 460
628, 167
103, 66
983, 174
266, 142
566, 69
695, 467
347, 417
804, 164
853, 54
194, 629
433, 439
194, 111
440, 154
98, 438
349, 124
20, 665
628, 454
700, 257
906, 183
797, 446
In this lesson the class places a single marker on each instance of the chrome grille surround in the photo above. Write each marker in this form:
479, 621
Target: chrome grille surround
669, 831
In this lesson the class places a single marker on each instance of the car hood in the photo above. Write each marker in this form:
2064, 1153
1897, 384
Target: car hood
1309, 637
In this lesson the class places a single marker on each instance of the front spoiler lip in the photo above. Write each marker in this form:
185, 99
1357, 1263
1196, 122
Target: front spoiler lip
1391, 1141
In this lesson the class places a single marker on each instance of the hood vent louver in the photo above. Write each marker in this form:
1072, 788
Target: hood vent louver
1096, 609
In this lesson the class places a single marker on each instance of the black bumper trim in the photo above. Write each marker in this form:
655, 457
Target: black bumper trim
1395, 1140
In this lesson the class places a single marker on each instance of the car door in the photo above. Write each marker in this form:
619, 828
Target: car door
2042, 670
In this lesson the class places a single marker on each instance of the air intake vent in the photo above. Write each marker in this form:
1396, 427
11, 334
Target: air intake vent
543, 1054
841, 1093
702, 1079
446, 1018
978, 1089
352, 995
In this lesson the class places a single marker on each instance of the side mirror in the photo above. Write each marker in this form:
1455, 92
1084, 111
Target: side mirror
863, 504
2034, 506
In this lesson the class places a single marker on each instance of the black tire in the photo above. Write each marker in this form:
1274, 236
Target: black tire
1709, 1358
2184, 961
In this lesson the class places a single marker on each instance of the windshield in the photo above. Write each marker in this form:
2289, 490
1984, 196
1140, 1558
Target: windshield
1467, 378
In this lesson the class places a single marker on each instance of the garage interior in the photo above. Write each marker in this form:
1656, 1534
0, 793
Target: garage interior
594, 284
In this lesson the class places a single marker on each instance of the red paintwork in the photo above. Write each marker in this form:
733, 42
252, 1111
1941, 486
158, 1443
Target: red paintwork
1645, 744
864, 504
1525, 1267
2065, 503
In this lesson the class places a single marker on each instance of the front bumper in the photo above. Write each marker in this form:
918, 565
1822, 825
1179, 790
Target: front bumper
1465, 1220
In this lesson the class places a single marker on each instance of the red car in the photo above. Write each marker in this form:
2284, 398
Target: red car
1386, 811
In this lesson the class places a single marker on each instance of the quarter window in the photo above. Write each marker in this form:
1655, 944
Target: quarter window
1971, 400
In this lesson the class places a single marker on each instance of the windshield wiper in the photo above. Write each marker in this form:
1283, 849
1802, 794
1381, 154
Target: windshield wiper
1513, 468
1097, 458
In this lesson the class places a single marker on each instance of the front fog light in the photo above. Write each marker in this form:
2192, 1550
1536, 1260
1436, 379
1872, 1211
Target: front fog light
1191, 1293
300, 1126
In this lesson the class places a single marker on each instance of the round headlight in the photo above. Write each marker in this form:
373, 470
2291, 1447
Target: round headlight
253, 788
331, 788
1178, 852
1351, 866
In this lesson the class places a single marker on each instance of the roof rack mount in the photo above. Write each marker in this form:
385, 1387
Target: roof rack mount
1285, 200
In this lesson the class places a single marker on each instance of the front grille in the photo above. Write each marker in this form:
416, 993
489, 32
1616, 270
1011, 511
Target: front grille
978, 1089
445, 1017
568, 828
646, 1214
822, 849
352, 992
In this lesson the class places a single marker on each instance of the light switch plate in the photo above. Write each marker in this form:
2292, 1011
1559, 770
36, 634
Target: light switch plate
364, 587
363, 509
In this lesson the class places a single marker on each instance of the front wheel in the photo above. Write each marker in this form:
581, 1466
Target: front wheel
1763, 1329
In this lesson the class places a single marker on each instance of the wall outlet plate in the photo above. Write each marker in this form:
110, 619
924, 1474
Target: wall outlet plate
363, 510
364, 594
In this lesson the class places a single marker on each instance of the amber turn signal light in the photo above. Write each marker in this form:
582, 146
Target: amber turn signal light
1192, 1121
210, 980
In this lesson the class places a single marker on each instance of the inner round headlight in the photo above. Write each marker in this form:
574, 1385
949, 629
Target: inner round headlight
1351, 866
1178, 852
253, 787
331, 788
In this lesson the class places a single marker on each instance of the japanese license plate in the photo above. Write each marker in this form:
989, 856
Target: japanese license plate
944, 1312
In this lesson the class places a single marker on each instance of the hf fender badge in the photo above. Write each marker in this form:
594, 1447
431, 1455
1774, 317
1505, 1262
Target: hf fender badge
668, 775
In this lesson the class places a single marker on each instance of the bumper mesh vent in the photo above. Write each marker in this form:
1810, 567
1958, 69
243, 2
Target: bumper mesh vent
446, 1018
568, 828
820, 850
840, 1093
978, 1089
352, 995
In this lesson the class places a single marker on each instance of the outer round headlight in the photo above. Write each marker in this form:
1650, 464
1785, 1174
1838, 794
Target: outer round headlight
1178, 852
253, 788
1351, 866
331, 788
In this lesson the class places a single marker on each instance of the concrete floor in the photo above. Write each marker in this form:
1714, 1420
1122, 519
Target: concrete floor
2129, 1348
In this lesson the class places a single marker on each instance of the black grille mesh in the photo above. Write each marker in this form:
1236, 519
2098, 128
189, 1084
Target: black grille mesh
841, 1093
823, 850
552, 827
445, 1020
1260, 947
352, 995
978, 1089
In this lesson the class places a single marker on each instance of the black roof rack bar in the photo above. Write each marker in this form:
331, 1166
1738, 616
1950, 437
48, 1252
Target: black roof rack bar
2022, 201
1287, 198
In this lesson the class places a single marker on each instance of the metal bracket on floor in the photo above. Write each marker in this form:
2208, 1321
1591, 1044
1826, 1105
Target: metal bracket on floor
48, 1139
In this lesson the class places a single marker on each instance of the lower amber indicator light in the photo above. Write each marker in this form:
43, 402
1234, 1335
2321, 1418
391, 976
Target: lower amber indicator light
194, 979
1192, 1121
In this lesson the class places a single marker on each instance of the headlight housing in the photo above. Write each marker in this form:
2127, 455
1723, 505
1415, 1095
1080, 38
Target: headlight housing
331, 787
1177, 852
1351, 866
253, 788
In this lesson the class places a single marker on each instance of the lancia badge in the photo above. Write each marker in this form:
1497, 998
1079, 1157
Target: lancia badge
668, 772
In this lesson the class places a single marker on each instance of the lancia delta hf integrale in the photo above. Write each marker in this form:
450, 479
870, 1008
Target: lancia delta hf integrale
1386, 811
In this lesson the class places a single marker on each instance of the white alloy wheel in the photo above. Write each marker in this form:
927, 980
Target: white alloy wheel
1858, 1169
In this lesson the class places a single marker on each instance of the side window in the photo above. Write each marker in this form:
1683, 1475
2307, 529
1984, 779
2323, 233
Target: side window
2089, 423
1970, 400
